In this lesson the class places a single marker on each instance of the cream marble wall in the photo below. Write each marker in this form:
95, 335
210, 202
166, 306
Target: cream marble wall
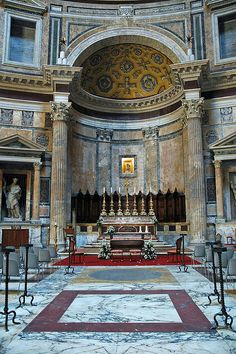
172, 164
96, 163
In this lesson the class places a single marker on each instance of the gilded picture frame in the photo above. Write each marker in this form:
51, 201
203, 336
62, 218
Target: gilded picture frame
128, 166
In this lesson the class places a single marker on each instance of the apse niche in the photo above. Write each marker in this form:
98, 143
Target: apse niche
126, 71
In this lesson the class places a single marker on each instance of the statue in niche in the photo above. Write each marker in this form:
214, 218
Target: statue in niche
13, 195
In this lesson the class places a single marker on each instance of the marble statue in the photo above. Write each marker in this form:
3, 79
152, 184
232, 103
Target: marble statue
13, 195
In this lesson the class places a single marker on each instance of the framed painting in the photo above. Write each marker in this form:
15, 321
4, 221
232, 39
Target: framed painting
128, 166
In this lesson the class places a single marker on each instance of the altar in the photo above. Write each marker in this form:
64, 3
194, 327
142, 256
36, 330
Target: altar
139, 226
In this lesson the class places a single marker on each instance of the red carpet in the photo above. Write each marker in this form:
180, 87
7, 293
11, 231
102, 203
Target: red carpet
90, 260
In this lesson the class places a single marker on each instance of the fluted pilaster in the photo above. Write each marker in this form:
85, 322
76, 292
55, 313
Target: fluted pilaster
219, 190
197, 202
36, 193
60, 118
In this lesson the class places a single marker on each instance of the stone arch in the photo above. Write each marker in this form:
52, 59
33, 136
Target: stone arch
159, 38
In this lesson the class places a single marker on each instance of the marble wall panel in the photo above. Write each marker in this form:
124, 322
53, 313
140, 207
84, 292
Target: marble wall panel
170, 128
39, 119
83, 165
84, 130
228, 129
5, 132
139, 182
171, 165
127, 135
214, 116
17, 116
104, 166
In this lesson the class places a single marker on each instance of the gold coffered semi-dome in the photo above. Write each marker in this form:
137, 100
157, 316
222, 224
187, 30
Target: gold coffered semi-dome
126, 71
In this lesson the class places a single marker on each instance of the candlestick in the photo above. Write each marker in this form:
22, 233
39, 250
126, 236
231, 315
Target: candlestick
134, 212
143, 212
111, 213
151, 211
119, 211
103, 212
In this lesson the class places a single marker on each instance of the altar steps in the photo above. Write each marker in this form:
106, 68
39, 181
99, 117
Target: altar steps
160, 246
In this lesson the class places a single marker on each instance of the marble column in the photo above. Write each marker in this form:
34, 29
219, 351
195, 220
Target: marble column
219, 190
196, 182
60, 117
36, 192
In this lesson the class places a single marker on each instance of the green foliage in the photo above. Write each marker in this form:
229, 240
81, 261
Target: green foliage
105, 251
149, 250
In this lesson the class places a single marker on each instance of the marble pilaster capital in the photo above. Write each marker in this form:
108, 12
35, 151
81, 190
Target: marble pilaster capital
104, 134
193, 108
37, 165
150, 133
60, 111
217, 164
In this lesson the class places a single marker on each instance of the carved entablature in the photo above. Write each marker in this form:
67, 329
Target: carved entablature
35, 6
193, 108
60, 111
104, 134
220, 80
191, 70
218, 3
85, 99
126, 11
45, 83
151, 133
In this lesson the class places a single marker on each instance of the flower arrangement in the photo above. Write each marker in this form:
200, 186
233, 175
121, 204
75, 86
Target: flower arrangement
149, 250
155, 220
111, 230
105, 251
100, 221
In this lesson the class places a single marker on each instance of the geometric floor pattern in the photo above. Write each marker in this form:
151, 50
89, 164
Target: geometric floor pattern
136, 275
188, 317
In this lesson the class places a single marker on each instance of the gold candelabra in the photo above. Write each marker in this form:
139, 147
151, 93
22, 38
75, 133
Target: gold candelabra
119, 211
151, 211
111, 213
127, 212
143, 212
103, 212
135, 212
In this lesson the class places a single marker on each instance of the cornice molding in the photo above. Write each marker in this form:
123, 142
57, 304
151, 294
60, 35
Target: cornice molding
212, 4
90, 101
45, 83
27, 5
220, 80
196, 70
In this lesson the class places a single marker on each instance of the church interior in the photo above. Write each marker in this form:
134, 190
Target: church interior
118, 176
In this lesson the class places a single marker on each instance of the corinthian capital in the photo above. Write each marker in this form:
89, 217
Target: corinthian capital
60, 111
151, 133
193, 108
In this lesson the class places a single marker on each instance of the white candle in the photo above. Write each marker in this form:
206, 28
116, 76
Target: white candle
104, 189
134, 190
111, 189
119, 190
150, 189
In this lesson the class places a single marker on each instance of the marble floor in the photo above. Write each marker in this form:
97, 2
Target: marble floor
96, 310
